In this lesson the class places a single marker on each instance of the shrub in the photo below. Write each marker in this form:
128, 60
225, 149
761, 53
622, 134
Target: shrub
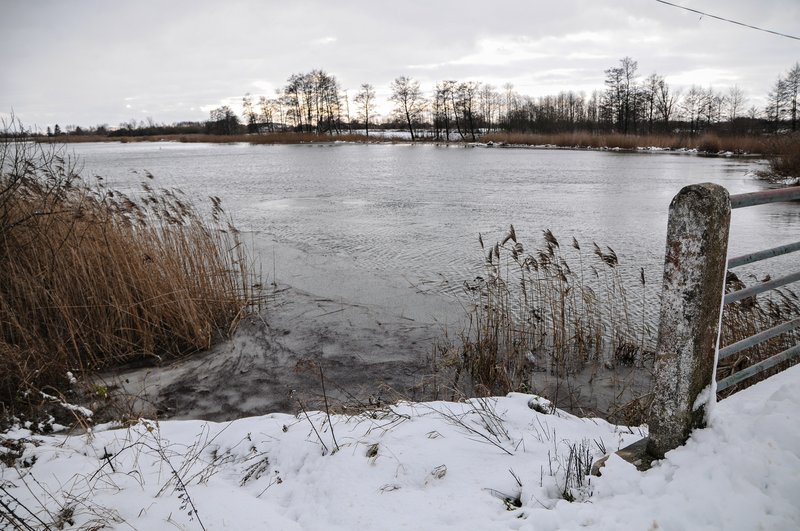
709, 143
785, 161
93, 278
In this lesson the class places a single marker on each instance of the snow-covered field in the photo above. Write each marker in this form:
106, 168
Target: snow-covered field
483, 464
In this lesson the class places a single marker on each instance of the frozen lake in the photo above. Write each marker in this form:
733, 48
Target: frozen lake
397, 225
377, 240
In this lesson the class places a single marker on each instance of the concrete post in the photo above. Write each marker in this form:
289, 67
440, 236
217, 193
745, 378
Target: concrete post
691, 303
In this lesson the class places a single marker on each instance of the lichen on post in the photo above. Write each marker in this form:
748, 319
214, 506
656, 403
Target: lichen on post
691, 304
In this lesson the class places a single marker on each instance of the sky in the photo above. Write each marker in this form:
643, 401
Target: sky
90, 62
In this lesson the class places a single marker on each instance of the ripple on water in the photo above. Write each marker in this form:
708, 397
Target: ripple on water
410, 216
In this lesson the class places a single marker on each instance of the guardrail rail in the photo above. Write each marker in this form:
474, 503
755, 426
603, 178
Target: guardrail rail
748, 200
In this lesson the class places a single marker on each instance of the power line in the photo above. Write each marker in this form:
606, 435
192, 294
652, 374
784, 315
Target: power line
729, 20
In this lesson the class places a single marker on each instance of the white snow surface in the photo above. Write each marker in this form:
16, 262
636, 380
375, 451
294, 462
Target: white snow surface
418, 466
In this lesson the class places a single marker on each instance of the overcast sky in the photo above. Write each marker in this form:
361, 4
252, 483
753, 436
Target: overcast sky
89, 62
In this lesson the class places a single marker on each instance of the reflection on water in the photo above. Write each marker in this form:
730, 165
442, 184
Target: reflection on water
398, 224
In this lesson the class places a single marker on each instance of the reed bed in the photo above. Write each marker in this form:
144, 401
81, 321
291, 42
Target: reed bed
76, 139
265, 138
558, 310
782, 149
786, 160
305, 138
709, 142
560, 321
94, 278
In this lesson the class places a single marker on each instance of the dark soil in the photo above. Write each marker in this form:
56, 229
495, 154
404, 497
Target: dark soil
278, 362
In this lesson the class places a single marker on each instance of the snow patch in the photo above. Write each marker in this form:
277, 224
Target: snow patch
491, 463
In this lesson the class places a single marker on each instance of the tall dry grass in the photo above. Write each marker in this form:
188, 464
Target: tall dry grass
779, 146
785, 162
709, 142
93, 278
558, 310
307, 138
559, 319
265, 138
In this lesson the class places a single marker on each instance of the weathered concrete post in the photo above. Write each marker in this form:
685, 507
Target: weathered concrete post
691, 302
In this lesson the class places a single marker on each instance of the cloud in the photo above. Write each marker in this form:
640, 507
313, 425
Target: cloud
324, 41
201, 52
704, 77
502, 50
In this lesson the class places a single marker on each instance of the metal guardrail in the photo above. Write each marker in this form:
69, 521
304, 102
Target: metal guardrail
742, 201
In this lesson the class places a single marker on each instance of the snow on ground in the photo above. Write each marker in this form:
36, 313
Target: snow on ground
483, 464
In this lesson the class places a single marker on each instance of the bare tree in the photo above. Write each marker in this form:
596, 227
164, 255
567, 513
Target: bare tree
249, 114
324, 95
366, 103
692, 106
621, 96
777, 101
735, 102
223, 121
347, 112
510, 103
792, 88
489, 105
666, 102
267, 115
442, 114
712, 104
650, 99
294, 100
593, 110
409, 102
469, 92
313, 101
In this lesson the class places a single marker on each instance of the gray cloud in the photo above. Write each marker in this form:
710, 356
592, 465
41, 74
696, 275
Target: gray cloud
89, 62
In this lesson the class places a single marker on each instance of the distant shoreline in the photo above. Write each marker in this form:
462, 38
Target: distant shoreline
708, 144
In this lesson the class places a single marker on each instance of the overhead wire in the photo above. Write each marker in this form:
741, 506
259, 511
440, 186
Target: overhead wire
728, 20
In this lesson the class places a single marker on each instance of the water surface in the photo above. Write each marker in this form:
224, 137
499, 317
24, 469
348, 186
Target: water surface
397, 225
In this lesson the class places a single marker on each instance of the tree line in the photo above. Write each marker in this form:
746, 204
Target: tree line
629, 103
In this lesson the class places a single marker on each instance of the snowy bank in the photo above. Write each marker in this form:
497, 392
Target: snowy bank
483, 464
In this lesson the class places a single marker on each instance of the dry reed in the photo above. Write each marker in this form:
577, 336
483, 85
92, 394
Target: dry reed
778, 146
94, 278
536, 319
265, 138
785, 162
710, 142
532, 312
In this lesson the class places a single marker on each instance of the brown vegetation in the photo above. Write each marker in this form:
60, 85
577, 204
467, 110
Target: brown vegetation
94, 278
784, 150
786, 160
559, 313
710, 142
265, 138
563, 316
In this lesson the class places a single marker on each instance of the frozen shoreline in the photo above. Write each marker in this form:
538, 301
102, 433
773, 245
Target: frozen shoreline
273, 363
